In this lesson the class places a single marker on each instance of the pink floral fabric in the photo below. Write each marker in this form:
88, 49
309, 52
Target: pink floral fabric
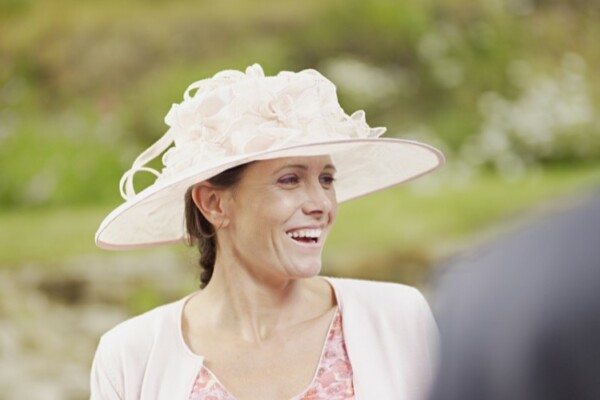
332, 381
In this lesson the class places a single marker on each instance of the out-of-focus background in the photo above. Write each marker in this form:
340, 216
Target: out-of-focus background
508, 89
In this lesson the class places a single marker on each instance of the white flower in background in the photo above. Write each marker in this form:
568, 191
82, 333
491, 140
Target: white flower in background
365, 81
434, 48
539, 123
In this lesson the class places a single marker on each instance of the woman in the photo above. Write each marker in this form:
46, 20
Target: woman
255, 174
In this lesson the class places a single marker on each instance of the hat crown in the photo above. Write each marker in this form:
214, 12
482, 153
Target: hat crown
236, 113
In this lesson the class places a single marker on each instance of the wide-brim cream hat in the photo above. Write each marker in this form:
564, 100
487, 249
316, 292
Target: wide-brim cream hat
234, 118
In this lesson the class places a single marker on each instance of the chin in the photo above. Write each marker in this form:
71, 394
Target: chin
307, 271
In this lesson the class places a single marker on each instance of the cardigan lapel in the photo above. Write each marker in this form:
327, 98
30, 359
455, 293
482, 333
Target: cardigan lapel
370, 342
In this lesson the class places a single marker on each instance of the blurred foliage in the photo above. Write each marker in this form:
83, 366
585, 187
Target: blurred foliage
430, 216
497, 84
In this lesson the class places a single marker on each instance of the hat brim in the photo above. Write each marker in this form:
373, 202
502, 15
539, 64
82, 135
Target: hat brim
156, 215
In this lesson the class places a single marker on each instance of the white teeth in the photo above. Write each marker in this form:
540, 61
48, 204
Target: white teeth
306, 233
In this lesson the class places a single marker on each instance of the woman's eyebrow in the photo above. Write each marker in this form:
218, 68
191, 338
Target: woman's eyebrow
303, 167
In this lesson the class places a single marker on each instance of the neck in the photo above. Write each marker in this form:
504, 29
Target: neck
256, 307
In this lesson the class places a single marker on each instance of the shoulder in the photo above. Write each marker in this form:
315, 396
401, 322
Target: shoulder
132, 341
374, 290
383, 308
383, 300
134, 330
124, 351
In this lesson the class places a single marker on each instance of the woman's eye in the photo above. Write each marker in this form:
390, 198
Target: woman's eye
288, 180
327, 180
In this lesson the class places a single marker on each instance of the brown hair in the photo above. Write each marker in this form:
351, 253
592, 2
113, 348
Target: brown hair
200, 230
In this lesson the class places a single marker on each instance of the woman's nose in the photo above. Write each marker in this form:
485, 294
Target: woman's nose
319, 200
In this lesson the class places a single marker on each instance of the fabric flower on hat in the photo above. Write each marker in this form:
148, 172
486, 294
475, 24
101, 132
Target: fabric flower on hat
235, 113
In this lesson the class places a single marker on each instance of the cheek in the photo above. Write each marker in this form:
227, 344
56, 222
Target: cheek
334, 206
333, 215
285, 206
282, 205
264, 215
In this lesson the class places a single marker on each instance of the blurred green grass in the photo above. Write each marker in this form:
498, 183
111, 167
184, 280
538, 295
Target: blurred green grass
47, 235
407, 219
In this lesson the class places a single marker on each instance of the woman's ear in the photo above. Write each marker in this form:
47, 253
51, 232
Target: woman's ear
210, 201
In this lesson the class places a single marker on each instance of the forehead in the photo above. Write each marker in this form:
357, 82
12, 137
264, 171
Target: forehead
316, 163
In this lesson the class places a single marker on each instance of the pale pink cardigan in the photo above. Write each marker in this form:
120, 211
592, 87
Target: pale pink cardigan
388, 329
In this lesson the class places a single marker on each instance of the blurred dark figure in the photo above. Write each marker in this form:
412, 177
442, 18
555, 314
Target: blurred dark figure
520, 318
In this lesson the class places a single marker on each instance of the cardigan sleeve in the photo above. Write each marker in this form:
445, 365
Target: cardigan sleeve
428, 351
104, 384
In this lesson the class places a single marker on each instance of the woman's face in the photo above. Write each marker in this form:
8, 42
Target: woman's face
279, 216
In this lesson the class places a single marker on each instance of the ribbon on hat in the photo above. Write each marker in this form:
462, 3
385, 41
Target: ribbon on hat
126, 187
126, 183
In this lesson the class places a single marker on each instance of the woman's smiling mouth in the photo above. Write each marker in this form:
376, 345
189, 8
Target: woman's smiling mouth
305, 235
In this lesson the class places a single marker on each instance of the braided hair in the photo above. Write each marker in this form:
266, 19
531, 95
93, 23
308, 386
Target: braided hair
200, 230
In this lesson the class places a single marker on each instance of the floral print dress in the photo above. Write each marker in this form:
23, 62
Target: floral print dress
332, 381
